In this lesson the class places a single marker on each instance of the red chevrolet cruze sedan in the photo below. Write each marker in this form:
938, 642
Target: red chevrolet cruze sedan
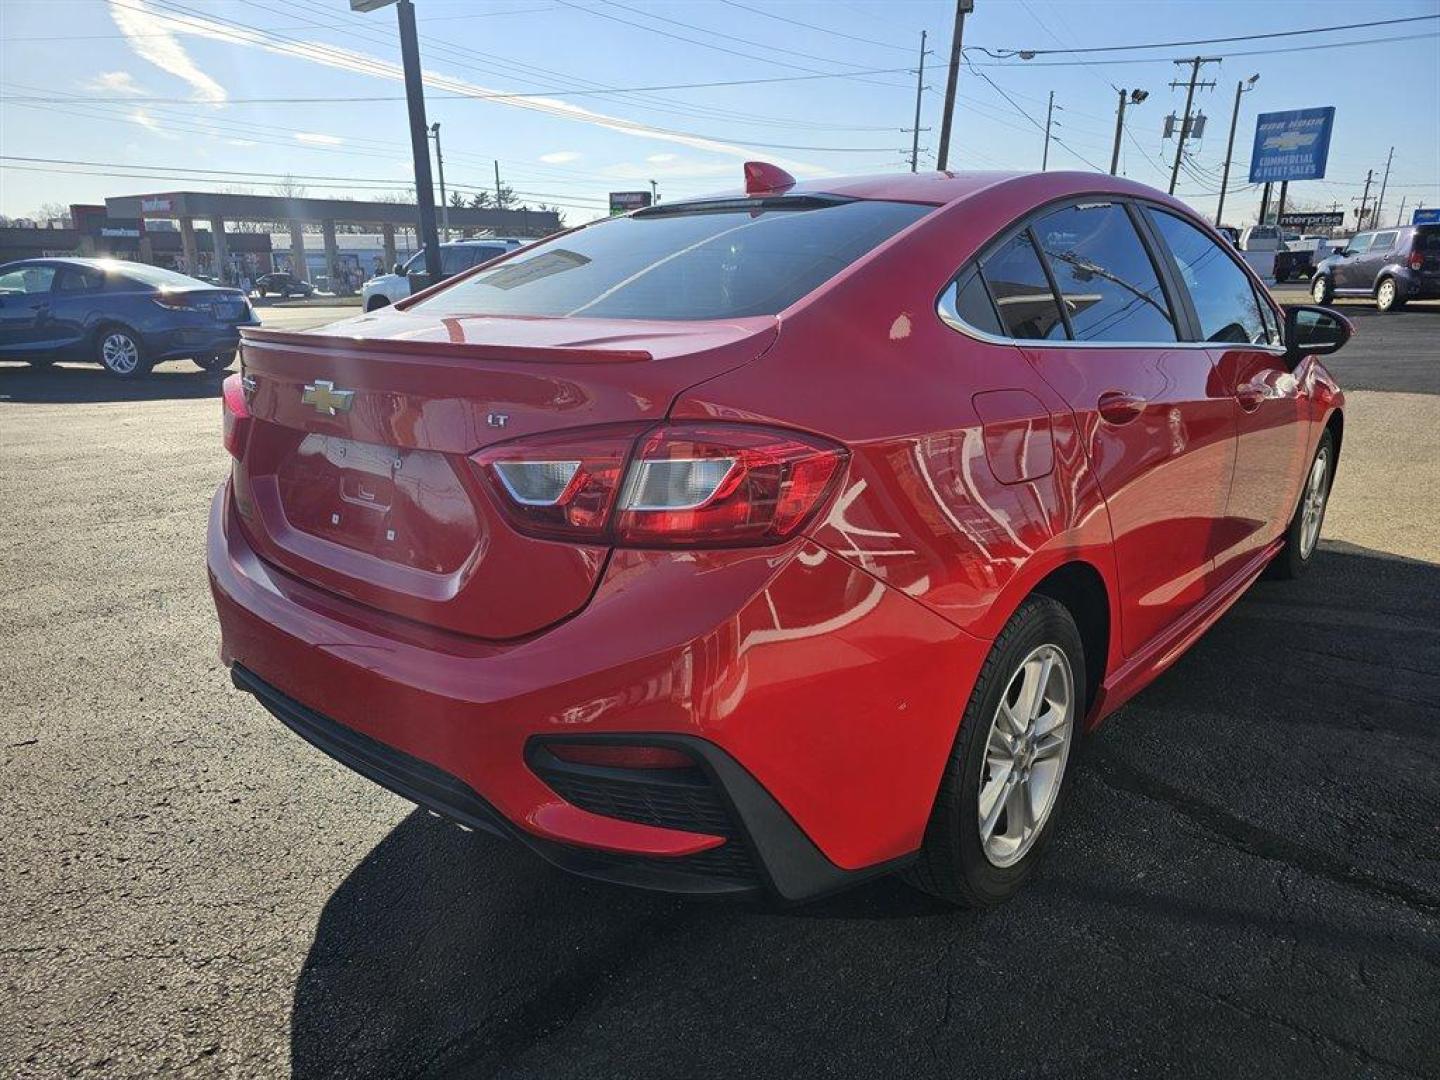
771, 541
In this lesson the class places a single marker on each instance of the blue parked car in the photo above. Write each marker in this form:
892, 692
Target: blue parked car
125, 316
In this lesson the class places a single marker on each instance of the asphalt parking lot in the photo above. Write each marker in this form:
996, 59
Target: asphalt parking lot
1246, 881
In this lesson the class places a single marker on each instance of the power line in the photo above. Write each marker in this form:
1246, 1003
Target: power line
1228, 55
1216, 41
1036, 123
812, 26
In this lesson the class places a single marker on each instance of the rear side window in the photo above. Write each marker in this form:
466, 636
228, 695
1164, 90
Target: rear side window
78, 279
739, 258
1221, 292
1384, 241
1106, 279
1022, 293
968, 301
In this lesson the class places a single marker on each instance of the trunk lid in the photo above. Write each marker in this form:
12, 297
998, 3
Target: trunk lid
356, 474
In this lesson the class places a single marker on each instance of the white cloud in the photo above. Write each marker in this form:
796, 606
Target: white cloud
150, 124
674, 168
240, 142
150, 35
333, 56
114, 82
316, 138
560, 157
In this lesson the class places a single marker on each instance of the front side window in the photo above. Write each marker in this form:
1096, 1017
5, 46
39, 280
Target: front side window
1022, 292
724, 261
1106, 279
1224, 299
27, 279
1360, 244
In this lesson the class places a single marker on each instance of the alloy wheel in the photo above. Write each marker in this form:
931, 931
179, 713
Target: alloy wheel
1386, 296
1317, 291
1025, 755
120, 353
1312, 512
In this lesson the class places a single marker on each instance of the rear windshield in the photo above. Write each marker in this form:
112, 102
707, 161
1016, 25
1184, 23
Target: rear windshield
152, 275
744, 258
1427, 239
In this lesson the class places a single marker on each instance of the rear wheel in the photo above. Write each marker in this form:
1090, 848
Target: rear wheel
121, 354
1322, 290
1003, 783
375, 303
1388, 296
1302, 538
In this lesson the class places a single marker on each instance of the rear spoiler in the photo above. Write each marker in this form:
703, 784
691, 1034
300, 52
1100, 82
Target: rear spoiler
453, 350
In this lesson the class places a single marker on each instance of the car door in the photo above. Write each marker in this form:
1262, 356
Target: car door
25, 307
1348, 272
1157, 425
74, 299
1382, 252
1240, 323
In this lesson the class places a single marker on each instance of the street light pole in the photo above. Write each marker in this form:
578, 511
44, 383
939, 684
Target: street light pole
1240, 88
419, 134
1136, 97
440, 164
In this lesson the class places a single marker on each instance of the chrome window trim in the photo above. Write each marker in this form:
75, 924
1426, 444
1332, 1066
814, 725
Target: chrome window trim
952, 320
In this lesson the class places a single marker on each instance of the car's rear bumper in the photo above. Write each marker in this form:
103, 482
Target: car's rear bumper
190, 341
820, 704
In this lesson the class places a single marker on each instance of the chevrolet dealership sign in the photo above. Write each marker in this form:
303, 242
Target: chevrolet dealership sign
1291, 145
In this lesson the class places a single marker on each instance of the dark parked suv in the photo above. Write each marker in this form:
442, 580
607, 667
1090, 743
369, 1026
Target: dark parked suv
1392, 265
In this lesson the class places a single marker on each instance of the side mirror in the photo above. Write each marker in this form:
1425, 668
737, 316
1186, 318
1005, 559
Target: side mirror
1313, 331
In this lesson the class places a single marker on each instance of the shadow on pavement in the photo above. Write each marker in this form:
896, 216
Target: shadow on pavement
88, 384
1247, 871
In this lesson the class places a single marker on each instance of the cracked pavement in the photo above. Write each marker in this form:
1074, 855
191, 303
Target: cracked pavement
1245, 881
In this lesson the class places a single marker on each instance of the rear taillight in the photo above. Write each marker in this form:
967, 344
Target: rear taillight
172, 301
1417, 259
684, 485
235, 413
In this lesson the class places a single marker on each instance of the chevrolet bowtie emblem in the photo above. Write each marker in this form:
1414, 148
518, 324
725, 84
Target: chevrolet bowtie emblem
322, 396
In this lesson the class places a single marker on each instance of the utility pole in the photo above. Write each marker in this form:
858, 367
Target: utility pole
1195, 66
1380, 202
440, 162
1400, 217
1049, 112
1364, 199
654, 193
962, 8
419, 133
919, 93
1240, 88
497, 185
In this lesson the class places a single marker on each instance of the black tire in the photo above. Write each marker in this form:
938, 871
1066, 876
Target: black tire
1293, 559
1322, 289
1389, 295
121, 352
262, 291
217, 362
376, 303
952, 864
1281, 277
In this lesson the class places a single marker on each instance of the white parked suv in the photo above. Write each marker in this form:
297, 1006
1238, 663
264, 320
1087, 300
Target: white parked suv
385, 289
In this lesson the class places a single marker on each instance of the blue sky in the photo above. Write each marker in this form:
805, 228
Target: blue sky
160, 86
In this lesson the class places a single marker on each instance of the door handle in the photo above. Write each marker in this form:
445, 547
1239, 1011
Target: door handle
1118, 407
1249, 397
